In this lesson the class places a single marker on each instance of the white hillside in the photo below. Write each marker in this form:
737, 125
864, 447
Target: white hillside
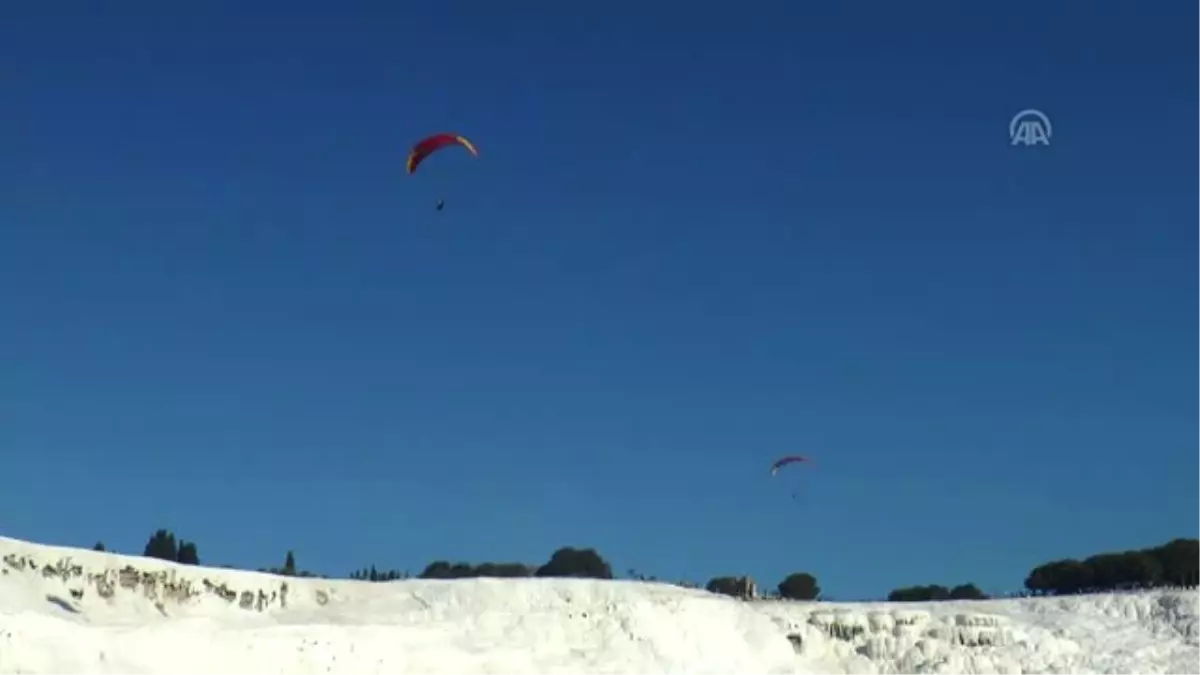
70, 610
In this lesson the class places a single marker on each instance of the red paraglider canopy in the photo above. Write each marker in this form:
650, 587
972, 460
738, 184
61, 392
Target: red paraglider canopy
432, 144
784, 461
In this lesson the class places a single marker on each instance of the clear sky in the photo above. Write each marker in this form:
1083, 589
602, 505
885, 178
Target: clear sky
698, 236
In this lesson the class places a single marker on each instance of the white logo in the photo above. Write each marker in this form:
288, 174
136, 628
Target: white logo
1030, 127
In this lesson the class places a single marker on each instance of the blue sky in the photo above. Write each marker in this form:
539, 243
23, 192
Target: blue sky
696, 239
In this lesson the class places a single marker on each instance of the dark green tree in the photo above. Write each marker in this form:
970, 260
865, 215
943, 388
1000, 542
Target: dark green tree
1176, 563
372, 574
928, 593
1179, 560
289, 564
438, 569
1139, 569
731, 586
967, 591
98, 546
573, 562
162, 546
799, 586
502, 570
461, 570
1040, 580
1072, 577
187, 554
936, 593
1103, 571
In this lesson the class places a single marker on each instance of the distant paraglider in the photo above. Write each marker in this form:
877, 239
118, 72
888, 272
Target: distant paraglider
431, 144
785, 461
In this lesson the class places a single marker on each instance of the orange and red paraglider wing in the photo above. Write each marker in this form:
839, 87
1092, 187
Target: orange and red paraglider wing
432, 144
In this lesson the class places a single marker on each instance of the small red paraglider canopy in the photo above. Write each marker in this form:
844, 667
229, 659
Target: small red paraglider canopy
784, 461
427, 146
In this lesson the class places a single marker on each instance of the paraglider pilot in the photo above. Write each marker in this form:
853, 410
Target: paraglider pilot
440, 204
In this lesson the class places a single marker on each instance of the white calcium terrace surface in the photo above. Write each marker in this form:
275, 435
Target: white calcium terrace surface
70, 610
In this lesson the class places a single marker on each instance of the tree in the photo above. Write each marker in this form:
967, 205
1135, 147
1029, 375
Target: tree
438, 569
98, 546
734, 587
371, 574
936, 593
1103, 571
461, 570
162, 546
1061, 577
573, 562
1179, 560
928, 593
799, 586
1040, 580
289, 564
441, 569
1138, 569
967, 591
502, 570
188, 555
1176, 563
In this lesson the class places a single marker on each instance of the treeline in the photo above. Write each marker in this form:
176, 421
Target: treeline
1175, 564
936, 592
162, 545
565, 562
795, 586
